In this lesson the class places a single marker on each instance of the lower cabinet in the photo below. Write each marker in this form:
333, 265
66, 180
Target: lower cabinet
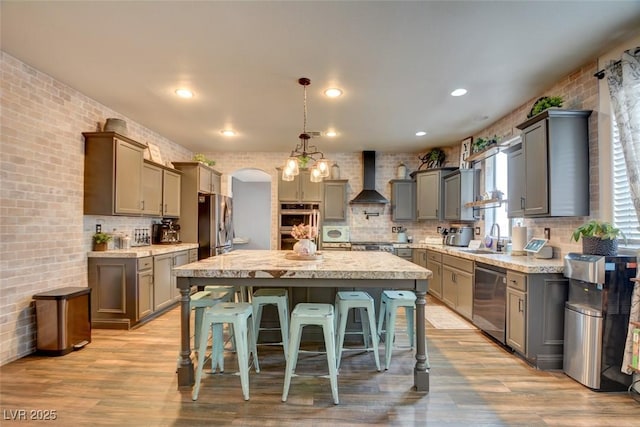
516, 311
457, 284
129, 291
434, 263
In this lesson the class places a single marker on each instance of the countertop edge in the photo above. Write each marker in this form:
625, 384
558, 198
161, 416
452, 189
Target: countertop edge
142, 251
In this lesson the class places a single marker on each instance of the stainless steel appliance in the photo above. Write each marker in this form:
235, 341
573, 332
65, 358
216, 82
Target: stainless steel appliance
166, 232
331, 246
215, 225
490, 300
596, 319
372, 246
294, 214
458, 236
335, 234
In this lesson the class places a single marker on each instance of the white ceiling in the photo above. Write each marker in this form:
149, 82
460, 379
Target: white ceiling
397, 62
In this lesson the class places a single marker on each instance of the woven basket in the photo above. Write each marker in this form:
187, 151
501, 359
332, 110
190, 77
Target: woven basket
597, 246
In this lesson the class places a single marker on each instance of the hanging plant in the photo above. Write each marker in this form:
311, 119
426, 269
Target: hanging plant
545, 103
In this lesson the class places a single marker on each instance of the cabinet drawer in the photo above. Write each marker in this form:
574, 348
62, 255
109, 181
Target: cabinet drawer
517, 281
193, 255
434, 256
459, 263
145, 263
404, 252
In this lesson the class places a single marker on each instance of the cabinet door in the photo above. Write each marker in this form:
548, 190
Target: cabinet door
516, 320
536, 200
435, 284
145, 294
288, 190
309, 191
449, 290
452, 197
204, 180
516, 179
428, 195
403, 200
171, 194
464, 284
179, 258
335, 199
128, 178
152, 190
162, 281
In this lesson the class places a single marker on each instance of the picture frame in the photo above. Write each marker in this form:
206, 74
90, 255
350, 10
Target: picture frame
465, 152
154, 151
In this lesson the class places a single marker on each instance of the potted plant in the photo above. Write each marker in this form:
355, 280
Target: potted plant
545, 103
598, 238
203, 159
100, 241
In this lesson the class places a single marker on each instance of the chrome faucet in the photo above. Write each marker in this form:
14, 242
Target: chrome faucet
498, 244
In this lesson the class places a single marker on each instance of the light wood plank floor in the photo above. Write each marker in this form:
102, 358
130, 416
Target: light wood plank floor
128, 379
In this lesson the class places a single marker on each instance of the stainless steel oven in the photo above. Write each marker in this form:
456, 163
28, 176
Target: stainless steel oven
294, 214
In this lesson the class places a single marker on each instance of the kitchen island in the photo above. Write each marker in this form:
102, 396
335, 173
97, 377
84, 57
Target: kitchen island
336, 269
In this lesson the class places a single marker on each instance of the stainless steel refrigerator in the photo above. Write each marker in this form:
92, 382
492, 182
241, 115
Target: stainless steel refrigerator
215, 225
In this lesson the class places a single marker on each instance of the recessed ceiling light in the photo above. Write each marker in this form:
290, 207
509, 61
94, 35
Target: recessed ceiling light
228, 132
459, 92
333, 92
184, 93
421, 133
331, 133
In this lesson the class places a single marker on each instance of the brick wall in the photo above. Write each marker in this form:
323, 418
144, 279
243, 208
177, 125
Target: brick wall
44, 237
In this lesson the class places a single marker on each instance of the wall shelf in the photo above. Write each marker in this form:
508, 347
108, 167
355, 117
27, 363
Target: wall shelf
485, 204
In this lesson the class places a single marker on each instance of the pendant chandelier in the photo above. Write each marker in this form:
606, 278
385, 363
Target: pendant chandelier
305, 153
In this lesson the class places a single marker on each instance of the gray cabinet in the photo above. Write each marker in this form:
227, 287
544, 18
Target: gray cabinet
460, 188
429, 190
301, 189
201, 178
434, 263
403, 200
165, 291
113, 171
171, 182
457, 284
145, 287
161, 191
516, 179
335, 200
555, 156
516, 311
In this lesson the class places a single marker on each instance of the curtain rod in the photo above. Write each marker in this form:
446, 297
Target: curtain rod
600, 74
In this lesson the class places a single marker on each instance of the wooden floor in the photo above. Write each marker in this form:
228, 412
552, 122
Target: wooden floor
127, 378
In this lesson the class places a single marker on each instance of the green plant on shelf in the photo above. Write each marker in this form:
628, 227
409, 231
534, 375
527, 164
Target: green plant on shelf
203, 159
545, 103
599, 229
101, 238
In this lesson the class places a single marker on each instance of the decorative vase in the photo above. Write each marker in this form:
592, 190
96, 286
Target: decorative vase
402, 171
335, 171
304, 247
597, 246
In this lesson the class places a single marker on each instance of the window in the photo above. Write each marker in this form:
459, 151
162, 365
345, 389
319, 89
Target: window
496, 179
624, 213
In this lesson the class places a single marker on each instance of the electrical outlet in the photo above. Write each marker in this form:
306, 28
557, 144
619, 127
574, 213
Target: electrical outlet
477, 231
438, 229
98, 228
394, 229
547, 233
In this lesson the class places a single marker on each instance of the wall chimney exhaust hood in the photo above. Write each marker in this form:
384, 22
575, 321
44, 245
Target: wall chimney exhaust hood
369, 195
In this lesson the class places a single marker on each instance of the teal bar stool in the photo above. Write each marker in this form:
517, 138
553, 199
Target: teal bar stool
345, 301
280, 298
312, 314
202, 300
240, 316
389, 304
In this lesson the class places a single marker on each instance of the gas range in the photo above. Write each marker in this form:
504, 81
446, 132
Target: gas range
372, 246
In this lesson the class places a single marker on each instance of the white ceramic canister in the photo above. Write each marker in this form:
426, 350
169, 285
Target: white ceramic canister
402, 171
335, 171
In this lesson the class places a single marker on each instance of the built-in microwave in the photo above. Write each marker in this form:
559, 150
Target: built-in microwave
335, 233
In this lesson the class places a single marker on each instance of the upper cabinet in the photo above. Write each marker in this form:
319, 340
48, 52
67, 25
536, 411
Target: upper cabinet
550, 168
203, 178
403, 200
460, 188
113, 174
301, 189
160, 191
335, 200
429, 191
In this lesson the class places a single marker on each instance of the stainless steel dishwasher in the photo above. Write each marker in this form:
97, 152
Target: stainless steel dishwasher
490, 300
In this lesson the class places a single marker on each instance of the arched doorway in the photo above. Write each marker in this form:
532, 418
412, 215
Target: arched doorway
251, 189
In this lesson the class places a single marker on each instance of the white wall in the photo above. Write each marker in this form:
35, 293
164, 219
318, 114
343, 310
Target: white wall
252, 213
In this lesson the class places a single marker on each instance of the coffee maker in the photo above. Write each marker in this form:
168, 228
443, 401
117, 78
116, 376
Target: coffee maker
168, 231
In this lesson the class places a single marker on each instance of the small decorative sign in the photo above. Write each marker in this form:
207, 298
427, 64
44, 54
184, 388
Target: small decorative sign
154, 151
465, 152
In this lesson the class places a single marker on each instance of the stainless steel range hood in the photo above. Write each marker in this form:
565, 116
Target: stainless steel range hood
369, 195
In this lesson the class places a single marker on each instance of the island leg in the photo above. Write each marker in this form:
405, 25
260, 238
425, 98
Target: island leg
185, 364
421, 370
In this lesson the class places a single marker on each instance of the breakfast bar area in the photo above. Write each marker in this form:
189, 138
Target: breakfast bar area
261, 268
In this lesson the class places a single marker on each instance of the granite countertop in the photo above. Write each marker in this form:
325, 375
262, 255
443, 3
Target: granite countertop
143, 251
333, 265
522, 263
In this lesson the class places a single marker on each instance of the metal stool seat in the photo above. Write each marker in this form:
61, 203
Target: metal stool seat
240, 315
280, 298
389, 304
312, 314
364, 302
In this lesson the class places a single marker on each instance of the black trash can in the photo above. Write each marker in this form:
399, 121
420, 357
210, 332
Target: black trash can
63, 319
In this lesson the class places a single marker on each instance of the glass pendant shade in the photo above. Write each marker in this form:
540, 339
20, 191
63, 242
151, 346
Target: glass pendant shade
287, 175
315, 174
292, 166
323, 167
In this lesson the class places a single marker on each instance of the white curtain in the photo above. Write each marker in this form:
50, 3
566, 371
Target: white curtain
623, 78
